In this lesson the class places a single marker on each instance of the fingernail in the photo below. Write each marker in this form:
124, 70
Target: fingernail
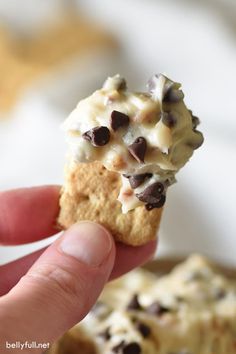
88, 242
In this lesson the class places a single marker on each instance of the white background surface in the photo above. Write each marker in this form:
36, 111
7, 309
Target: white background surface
194, 43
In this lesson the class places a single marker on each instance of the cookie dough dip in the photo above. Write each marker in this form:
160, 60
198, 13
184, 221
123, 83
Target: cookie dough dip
191, 310
142, 138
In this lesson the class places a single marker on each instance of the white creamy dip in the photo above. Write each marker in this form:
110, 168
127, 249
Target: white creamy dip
136, 133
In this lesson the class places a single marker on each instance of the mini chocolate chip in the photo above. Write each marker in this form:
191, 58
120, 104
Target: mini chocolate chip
105, 335
143, 329
168, 119
157, 309
138, 149
118, 120
134, 303
173, 96
136, 180
132, 348
152, 194
97, 136
159, 204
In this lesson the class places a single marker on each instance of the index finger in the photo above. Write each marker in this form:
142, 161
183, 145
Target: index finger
28, 214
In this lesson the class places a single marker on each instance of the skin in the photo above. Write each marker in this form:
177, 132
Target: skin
45, 293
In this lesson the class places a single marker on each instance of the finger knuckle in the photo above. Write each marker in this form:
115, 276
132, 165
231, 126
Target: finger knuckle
57, 280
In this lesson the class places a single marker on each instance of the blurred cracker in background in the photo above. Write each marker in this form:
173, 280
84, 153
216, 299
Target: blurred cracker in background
23, 61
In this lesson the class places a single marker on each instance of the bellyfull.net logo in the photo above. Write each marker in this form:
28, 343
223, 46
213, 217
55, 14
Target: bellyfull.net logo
26, 345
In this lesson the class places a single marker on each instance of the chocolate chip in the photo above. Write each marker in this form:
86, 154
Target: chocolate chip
159, 204
152, 194
118, 120
97, 136
169, 119
138, 149
134, 303
136, 180
173, 96
131, 348
157, 309
105, 335
143, 329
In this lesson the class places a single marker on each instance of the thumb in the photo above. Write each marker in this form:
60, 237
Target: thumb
60, 288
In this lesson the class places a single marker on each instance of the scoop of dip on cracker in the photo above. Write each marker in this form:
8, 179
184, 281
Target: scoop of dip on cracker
147, 137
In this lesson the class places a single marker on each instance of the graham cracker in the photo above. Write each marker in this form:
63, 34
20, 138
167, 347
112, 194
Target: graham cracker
90, 193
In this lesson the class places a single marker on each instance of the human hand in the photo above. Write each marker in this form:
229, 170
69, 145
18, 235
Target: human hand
46, 293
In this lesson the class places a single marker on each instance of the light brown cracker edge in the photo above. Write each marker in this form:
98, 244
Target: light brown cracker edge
90, 193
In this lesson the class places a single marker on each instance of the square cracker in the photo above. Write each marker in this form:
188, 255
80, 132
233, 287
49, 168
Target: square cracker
90, 193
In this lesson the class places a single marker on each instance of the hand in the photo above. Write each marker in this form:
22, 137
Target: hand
46, 293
